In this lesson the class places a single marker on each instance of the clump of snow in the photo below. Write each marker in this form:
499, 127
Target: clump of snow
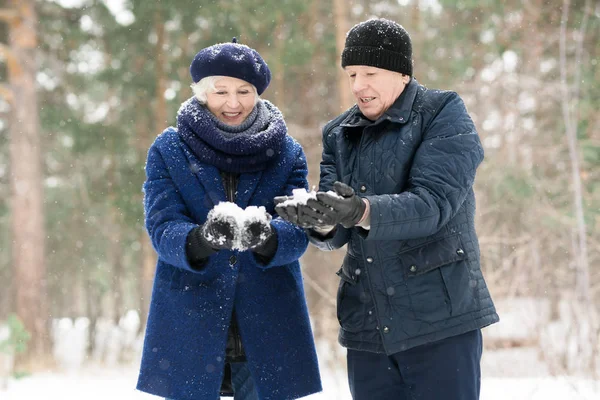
240, 219
334, 194
253, 215
256, 214
301, 196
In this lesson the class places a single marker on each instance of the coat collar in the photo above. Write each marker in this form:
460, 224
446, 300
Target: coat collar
210, 177
398, 113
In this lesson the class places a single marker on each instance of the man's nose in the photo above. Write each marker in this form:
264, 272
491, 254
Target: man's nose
358, 85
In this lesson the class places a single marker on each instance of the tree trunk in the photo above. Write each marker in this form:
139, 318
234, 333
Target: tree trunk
148, 256
161, 104
570, 104
584, 310
341, 27
28, 234
278, 61
116, 298
148, 259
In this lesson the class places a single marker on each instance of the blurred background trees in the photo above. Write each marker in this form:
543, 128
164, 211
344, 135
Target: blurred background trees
109, 76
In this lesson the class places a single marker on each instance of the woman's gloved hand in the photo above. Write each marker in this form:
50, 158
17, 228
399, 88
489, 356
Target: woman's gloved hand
220, 231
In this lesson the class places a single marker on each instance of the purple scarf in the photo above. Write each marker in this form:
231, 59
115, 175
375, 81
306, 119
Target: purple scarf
248, 147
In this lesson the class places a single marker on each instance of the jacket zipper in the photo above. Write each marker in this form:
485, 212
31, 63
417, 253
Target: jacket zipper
230, 189
362, 245
230, 184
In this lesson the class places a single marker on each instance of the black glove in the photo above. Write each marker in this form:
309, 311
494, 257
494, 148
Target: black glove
302, 215
256, 232
197, 249
286, 212
219, 232
346, 208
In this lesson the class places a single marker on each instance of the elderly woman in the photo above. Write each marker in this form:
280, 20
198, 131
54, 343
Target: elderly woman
228, 314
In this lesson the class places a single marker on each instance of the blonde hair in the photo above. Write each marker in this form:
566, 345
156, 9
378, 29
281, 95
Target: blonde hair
204, 85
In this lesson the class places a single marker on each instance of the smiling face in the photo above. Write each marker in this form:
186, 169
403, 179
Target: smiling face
375, 89
232, 100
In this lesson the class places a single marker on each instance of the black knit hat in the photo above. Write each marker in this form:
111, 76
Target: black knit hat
232, 59
380, 43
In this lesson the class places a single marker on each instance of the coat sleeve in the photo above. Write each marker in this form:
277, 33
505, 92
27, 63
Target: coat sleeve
340, 235
166, 217
441, 176
291, 239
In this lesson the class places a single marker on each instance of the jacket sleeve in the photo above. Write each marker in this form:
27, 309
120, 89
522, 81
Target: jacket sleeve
166, 216
340, 235
291, 239
441, 176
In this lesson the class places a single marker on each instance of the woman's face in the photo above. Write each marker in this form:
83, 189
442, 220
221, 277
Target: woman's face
232, 100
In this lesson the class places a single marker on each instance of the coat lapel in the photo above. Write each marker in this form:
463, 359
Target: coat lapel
209, 177
211, 180
246, 187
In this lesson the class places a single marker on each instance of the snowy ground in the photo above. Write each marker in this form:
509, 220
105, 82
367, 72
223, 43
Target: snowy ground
118, 383
509, 374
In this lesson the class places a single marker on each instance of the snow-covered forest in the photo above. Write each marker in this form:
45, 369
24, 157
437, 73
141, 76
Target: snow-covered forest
86, 86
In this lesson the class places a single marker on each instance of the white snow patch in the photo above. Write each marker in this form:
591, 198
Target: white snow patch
301, 196
240, 218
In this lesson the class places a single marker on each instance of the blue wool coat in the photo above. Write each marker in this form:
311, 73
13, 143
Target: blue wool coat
415, 276
190, 311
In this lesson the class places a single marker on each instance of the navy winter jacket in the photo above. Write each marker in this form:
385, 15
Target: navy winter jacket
415, 276
190, 312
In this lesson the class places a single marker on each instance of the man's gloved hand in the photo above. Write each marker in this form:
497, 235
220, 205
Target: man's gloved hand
256, 232
300, 214
345, 208
219, 231
288, 212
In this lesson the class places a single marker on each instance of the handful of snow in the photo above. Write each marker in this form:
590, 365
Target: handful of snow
241, 218
301, 196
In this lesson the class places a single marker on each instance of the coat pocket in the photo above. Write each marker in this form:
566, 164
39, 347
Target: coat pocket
438, 280
432, 255
352, 298
186, 281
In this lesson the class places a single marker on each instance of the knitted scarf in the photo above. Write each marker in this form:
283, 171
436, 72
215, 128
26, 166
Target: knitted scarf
248, 147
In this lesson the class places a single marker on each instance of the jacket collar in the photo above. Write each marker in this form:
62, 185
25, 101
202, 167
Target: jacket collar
210, 178
399, 112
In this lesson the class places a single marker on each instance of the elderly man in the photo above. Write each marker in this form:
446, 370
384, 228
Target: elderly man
396, 187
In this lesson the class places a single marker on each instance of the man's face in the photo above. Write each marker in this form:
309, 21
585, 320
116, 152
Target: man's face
375, 89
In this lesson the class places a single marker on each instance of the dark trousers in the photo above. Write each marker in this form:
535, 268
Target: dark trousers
448, 369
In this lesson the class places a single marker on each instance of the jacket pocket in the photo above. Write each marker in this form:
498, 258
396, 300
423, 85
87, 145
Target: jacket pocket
186, 281
437, 279
432, 255
352, 298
